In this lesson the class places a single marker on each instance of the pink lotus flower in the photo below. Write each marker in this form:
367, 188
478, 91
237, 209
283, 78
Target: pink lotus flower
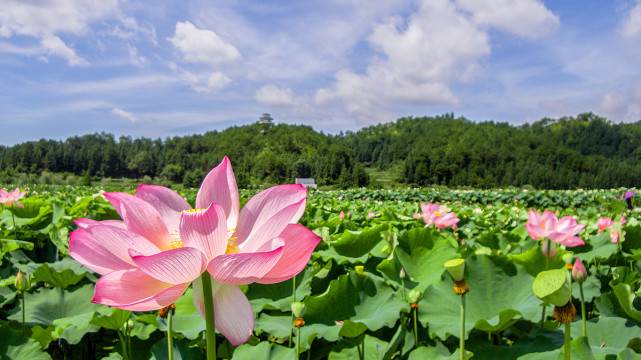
614, 236
417, 215
547, 225
603, 224
9, 198
433, 214
161, 246
341, 215
371, 215
623, 220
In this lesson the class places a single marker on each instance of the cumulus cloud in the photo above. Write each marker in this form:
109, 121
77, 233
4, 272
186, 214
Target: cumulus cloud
204, 82
422, 55
272, 95
527, 18
203, 46
625, 107
631, 23
125, 115
46, 20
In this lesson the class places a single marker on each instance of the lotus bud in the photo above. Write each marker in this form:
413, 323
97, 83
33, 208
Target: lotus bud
22, 282
402, 273
341, 215
360, 269
552, 250
579, 273
456, 268
131, 324
298, 308
414, 296
552, 286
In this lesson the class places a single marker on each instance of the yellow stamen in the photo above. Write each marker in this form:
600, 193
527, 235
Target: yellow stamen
437, 213
175, 243
231, 243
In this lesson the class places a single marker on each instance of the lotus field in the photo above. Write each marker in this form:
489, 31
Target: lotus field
286, 273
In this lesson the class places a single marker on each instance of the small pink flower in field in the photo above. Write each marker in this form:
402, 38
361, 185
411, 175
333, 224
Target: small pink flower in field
433, 214
603, 224
9, 198
370, 215
341, 215
489, 207
148, 259
623, 220
614, 236
579, 273
417, 215
339, 322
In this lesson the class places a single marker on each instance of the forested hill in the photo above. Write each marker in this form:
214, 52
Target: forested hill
587, 152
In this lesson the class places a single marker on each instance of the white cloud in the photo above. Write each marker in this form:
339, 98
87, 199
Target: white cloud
204, 82
44, 20
422, 55
272, 95
203, 46
125, 115
625, 107
631, 23
527, 18
136, 60
52, 45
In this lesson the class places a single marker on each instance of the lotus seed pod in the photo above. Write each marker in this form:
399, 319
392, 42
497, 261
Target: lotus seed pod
414, 296
456, 268
552, 286
22, 282
298, 308
360, 269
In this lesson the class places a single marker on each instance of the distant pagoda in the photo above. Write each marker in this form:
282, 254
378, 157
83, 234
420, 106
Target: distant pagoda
266, 120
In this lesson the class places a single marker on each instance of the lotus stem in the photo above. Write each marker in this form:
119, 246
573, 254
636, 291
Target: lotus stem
416, 326
298, 344
583, 317
291, 332
170, 338
462, 341
125, 351
403, 282
568, 339
210, 322
24, 328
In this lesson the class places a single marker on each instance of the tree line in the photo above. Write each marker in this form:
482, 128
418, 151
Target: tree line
583, 152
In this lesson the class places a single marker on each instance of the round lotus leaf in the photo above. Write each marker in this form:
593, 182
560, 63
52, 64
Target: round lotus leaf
551, 286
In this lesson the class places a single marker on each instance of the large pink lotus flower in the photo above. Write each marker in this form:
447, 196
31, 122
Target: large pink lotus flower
9, 198
162, 245
549, 226
434, 214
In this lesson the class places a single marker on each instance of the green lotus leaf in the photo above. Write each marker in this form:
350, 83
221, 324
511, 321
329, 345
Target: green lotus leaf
500, 294
610, 333
597, 246
423, 253
626, 296
15, 346
70, 312
279, 296
36, 214
60, 274
591, 289
264, 351
438, 352
375, 349
534, 261
355, 244
359, 298
9, 245
110, 318
539, 341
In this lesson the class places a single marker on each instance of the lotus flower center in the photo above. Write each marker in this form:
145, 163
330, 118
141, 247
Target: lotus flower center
437, 213
231, 242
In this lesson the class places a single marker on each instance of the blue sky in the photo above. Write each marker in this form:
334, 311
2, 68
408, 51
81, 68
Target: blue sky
159, 69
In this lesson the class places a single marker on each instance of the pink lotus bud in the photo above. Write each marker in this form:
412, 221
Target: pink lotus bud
371, 215
341, 215
402, 273
578, 271
552, 249
417, 215
623, 220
